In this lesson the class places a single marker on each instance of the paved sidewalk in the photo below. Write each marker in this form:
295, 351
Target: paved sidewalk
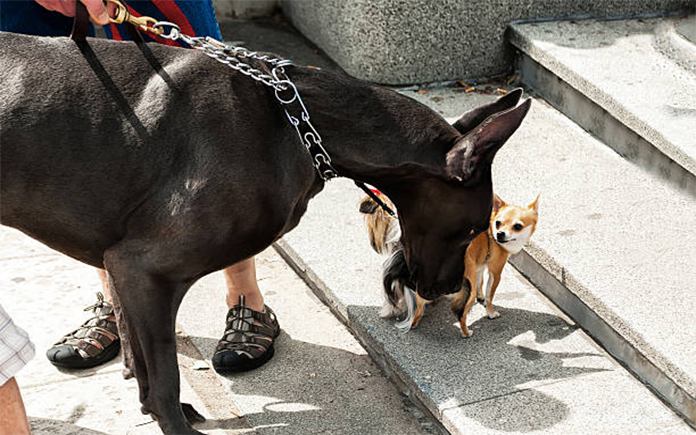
320, 380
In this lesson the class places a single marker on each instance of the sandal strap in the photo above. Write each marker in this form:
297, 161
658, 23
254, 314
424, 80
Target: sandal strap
249, 332
94, 335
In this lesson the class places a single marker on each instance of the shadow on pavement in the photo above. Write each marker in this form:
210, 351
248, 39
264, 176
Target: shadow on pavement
505, 356
58, 427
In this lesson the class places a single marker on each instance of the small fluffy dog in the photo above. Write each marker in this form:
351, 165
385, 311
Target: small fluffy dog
510, 229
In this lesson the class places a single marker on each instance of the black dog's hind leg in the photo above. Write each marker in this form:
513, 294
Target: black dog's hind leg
148, 305
128, 367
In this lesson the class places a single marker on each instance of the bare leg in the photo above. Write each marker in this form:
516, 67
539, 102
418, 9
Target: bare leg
241, 280
106, 289
13, 417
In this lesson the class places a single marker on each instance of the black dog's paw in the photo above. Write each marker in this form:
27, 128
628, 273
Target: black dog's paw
191, 414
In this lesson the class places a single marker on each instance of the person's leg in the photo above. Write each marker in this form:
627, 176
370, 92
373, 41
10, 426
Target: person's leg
241, 281
13, 417
15, 351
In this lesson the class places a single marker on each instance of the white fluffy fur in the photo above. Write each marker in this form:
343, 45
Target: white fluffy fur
410, 298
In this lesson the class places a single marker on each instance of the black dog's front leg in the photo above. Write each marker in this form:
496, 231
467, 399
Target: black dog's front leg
148, 309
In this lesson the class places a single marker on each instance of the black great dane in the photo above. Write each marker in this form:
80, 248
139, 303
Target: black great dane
161, 166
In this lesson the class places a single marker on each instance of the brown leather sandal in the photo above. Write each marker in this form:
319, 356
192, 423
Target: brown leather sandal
92, 344
247, 342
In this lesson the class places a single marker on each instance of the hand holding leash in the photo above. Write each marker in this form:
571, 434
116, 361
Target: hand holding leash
97, 9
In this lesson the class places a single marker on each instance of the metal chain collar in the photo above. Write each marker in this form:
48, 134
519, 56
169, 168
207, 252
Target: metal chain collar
285, 90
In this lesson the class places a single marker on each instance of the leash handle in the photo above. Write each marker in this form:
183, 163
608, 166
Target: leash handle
375, 198
80, 23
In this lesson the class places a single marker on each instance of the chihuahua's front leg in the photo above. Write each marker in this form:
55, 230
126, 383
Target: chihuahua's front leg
420, 309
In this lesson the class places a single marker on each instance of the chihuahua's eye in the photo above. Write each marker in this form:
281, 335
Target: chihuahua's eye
517, 227
497, 224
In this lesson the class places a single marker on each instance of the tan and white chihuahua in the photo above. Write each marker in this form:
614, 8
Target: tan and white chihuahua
510, 229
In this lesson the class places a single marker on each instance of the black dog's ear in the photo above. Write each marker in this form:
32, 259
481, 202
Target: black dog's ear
368, 206
477, 149
474, 117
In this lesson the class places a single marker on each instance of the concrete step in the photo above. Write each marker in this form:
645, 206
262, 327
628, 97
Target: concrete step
533, 368
632, 83
611, 244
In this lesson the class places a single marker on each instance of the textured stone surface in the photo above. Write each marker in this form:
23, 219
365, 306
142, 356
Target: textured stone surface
413, 41
235, 9
610, 235
640, 72
537, 409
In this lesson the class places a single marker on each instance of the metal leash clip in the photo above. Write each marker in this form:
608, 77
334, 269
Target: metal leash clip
121, 15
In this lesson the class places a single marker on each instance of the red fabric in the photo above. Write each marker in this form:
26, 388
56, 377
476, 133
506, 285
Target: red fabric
115, 34
173, 13
152, 35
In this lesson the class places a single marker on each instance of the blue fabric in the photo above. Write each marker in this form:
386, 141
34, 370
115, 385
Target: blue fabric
200, 14
27, 16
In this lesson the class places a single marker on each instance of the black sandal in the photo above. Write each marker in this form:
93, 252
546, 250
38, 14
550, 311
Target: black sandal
247, 342
90, 345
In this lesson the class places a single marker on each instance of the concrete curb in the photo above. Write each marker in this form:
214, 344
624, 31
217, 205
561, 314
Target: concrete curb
403, 382
602, 325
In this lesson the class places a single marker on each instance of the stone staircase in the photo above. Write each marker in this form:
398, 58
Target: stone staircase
611, 262
619, 263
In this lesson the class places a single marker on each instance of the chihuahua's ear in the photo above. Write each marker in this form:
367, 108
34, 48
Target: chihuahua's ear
474, 117
368, 206
475, 151
498, 203
534, 205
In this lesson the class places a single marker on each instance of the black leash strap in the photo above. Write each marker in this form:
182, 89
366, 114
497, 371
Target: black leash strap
81, 25
375, 198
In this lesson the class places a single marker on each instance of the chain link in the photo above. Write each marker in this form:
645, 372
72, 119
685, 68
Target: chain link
285, 90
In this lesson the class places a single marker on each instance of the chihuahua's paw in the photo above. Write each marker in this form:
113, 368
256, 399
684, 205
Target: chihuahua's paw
467, 333
493, 314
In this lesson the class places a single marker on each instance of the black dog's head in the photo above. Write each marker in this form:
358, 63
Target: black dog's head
441, 215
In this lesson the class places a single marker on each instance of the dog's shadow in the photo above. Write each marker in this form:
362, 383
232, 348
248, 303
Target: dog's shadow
490, 377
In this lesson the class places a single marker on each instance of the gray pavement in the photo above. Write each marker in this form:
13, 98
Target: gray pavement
640, 72
320, 381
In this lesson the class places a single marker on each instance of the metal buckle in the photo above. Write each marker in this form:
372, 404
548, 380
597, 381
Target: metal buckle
121, 15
